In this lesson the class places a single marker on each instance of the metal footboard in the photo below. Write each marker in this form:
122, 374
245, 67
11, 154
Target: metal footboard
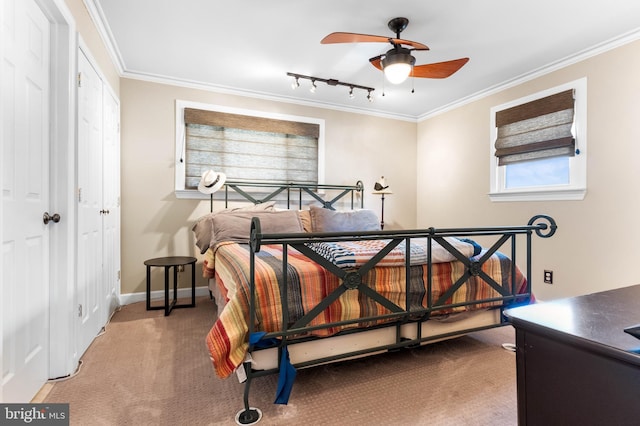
352, 279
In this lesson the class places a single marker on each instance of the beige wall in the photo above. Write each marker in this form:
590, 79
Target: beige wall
593, 250
596, 244
156, 223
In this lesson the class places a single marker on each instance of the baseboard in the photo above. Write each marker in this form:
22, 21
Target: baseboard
158, 295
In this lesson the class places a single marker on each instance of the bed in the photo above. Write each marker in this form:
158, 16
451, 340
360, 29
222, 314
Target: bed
350, 289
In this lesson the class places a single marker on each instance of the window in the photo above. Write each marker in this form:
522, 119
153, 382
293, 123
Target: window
245, 145
538, 146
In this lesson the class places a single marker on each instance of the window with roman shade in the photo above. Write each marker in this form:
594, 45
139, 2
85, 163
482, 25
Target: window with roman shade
538, 145
537, 129
249, 147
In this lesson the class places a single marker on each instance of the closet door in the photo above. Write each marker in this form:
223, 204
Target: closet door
111, 203
90, 284
98, 284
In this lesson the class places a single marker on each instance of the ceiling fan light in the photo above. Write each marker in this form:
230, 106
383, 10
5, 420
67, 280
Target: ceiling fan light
397, 67
397, 73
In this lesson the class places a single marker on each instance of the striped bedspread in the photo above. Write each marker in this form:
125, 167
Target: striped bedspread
308, 284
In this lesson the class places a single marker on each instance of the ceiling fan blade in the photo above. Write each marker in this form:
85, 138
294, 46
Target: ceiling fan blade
438, 69
376, 62
340, 37
353, 38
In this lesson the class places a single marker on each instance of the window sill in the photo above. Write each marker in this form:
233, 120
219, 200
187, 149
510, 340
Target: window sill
190, 194
194, 194
554, 195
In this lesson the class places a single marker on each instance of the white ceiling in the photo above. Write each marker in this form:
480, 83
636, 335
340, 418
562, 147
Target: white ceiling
248, 46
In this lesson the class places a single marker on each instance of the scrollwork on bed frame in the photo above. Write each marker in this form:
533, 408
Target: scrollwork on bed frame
542, 225
313, 190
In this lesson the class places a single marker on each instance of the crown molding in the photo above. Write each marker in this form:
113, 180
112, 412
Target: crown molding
98, 17
99, 20
160, 79
598, 49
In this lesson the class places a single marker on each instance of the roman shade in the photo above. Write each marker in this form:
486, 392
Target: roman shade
537, 129
249, 148
246, 122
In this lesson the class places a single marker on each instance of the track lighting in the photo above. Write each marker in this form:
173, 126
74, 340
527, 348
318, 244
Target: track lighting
331, 82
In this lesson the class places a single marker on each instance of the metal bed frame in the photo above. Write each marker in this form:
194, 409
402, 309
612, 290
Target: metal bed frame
542, 225
352, 280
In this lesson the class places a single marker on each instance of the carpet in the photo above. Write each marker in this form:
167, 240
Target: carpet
147, 369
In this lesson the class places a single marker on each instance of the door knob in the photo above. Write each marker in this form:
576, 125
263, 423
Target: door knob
46, 218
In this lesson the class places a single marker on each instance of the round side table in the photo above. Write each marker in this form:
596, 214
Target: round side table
167, 263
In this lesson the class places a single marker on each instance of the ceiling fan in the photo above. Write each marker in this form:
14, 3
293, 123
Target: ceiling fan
398, 63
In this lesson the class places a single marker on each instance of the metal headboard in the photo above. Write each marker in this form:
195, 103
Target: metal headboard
291, 189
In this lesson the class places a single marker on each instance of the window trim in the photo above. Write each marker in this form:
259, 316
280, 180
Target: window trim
577, 188
180, 145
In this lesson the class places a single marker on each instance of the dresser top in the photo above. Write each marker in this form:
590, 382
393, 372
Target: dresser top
597, 318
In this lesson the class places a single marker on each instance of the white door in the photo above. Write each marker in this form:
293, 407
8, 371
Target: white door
111, 203
24, 125
90, 285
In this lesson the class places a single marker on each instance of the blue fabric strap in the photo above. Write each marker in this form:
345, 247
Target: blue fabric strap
287, 373
285, 379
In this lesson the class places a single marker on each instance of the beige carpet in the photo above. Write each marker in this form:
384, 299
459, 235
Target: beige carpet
148, 369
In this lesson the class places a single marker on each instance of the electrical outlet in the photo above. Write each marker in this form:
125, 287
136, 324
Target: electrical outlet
548, 276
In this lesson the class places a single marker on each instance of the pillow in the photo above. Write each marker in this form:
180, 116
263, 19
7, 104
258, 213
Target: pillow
203, 228
305, 218
325, 220
202, 231
237, 226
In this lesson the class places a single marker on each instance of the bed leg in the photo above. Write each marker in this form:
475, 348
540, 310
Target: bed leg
249, 415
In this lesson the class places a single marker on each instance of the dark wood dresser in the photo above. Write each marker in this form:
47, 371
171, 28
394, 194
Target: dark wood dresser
575, 364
